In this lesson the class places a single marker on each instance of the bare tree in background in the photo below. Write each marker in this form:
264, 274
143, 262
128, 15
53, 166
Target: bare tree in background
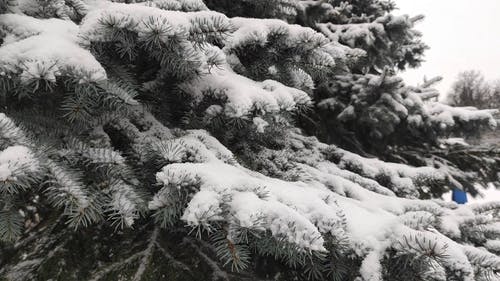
494, 97
471, 89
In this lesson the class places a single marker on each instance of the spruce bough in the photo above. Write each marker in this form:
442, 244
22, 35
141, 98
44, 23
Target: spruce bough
219, 140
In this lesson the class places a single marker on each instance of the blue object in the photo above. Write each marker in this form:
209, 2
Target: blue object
459, 196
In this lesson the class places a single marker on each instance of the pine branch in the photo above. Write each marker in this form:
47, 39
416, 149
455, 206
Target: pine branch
146, 255
143, 256
175, 262
98, 275
45, 230
11, 225
217, 272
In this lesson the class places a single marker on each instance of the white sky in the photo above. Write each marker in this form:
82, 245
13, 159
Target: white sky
462, 35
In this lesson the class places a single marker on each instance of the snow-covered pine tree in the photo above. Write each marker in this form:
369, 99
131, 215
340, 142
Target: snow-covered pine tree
178, 140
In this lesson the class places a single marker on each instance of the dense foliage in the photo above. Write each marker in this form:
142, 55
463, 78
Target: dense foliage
232, 140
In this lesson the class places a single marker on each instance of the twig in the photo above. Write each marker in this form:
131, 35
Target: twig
100, 274
175, 262
28, 266
217, 272
146, 255
34, 235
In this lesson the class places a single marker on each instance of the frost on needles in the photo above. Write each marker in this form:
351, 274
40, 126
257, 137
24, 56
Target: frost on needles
219, 140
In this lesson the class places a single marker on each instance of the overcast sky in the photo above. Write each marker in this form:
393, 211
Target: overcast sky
462, 34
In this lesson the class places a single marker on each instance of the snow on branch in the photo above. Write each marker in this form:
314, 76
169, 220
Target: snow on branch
178, 5
241, 96
302, 214
39, 49
446, 116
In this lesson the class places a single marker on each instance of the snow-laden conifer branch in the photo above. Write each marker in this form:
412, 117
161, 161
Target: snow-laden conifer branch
246, 175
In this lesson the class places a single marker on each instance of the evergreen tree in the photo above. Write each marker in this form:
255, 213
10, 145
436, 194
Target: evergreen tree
231, 140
